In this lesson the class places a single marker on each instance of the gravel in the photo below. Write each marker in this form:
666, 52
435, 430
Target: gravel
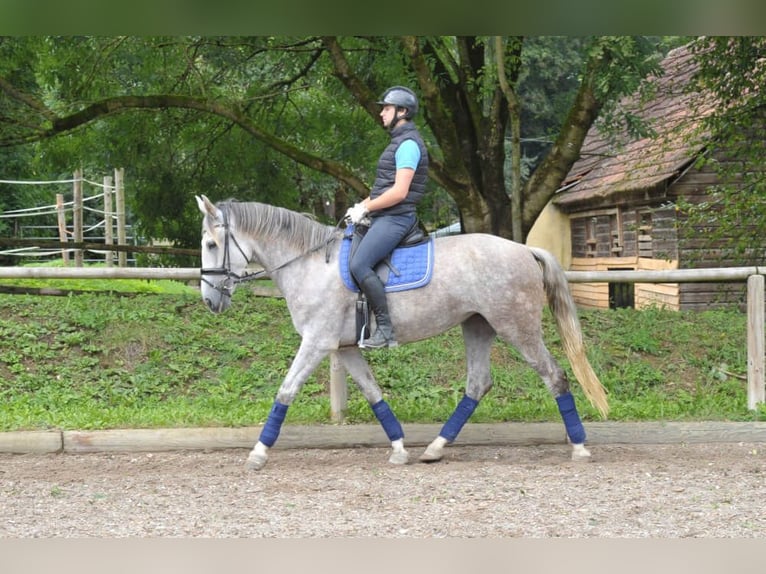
634, 491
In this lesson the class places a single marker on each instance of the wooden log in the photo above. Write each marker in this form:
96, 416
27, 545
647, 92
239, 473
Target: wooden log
674, 432
61, 217
159, 439
665, 276
32, 442
304, 436
756, 392
179, 273
372, 435
119, 191
108, 220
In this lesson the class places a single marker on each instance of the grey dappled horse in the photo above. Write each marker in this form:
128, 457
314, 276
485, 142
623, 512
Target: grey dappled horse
488, 285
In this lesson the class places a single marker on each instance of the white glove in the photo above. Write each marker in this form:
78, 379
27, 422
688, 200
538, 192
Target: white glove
357, 213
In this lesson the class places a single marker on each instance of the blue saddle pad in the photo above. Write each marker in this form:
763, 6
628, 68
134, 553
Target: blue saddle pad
411, 266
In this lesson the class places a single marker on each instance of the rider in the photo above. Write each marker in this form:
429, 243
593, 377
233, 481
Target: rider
400, 183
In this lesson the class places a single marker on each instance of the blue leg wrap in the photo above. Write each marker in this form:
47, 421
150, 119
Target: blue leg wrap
273, 424
388, 420
462, 413
572, 422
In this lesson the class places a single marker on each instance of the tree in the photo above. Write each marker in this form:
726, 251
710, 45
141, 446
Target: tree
733, 71
267, 88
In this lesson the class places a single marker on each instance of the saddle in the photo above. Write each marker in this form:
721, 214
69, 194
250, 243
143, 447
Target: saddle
410, 266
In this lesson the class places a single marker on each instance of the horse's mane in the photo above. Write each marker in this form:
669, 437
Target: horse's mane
266, 221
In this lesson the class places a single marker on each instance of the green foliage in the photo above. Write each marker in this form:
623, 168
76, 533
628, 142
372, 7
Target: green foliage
172, 154
162, 359
279, 119
626, 61
732, 72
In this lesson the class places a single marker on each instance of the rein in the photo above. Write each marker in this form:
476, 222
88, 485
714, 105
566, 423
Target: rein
231, 279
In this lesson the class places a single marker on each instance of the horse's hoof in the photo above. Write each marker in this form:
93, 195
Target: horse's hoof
434, 451
399, 457
255, 462
429, 456
580, 453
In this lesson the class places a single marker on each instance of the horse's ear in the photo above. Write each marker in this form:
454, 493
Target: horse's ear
206, 206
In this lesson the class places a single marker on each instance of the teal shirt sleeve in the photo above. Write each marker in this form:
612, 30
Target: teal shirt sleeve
407, 155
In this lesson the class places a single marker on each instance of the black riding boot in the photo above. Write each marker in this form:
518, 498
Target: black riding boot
373, 289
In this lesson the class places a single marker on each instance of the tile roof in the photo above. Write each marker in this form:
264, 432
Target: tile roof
606, 168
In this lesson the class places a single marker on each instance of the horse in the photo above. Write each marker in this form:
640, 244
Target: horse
492, 287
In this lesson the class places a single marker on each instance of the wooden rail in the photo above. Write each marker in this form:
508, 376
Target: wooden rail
156, 273
192, 273
666, 276
754, 276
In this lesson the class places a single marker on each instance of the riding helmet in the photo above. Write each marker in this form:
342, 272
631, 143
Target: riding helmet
401, 97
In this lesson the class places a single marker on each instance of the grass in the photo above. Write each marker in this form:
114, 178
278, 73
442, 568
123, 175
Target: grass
159, 358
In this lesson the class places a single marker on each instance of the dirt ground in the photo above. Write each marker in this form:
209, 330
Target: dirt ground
667, 491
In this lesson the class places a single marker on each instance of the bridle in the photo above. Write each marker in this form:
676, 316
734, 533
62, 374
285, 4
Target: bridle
226, 285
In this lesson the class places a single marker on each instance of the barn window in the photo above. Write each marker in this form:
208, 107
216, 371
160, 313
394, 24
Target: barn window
597, 234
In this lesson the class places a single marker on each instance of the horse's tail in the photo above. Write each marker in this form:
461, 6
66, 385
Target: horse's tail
565, 312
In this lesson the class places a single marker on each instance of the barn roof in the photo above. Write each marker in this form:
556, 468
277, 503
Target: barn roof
607, 168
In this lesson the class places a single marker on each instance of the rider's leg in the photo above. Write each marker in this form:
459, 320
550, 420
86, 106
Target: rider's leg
373, 289
384, 235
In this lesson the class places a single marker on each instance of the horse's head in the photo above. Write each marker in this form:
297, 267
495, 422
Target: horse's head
223, 260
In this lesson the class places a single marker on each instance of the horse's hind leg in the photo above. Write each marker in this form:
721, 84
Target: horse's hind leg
478, 336
556, 380
532, 347
359, 369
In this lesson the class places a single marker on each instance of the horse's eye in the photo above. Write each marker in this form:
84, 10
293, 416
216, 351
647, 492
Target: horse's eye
211, 245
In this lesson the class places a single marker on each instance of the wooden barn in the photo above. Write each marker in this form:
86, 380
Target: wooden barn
620, 202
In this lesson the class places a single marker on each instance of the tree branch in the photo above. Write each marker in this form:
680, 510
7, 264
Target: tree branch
514, 115
541, 187
342, 70
451, 171
26, 99
120, 104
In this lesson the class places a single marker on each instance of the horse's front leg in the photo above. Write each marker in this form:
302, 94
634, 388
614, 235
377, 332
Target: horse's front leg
359, 369
306, 360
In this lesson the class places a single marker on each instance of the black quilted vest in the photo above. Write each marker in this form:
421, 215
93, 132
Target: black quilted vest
386, 174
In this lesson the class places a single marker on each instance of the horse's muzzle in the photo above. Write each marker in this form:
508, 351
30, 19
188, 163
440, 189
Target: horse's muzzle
218, 307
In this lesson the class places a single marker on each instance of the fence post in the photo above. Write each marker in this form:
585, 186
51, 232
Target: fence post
77, 215
338, 389
62, 227
108, 223
756, 391
122, 256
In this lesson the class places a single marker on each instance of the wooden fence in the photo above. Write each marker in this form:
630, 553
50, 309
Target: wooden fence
754, 276
113, 194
